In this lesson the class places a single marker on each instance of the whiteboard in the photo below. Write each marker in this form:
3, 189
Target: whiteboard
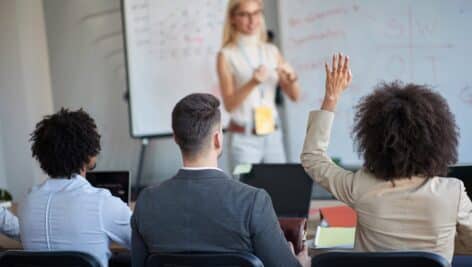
171, 49
425, 42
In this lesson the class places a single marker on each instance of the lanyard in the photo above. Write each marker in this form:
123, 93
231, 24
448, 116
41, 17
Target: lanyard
253, 66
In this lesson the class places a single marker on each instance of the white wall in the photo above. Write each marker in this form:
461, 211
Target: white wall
25, 92
3, 174
87, 70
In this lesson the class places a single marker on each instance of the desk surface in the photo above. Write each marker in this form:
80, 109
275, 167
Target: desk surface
313, 222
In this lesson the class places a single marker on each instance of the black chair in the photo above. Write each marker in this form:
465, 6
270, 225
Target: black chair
379, 259
22, 258
120, 259
462, 261
203, 259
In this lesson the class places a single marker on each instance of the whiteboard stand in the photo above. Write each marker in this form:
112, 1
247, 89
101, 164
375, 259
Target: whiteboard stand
142, 153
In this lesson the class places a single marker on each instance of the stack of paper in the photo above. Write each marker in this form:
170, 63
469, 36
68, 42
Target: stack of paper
335, 237
337, 228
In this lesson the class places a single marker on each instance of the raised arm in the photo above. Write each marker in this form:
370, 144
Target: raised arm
315, 160
338, 78
234, 97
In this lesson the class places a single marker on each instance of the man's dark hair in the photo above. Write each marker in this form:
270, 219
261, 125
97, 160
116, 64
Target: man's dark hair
193, 119
64, 142
404, 131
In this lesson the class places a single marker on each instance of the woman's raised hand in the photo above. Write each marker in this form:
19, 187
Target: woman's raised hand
338, 78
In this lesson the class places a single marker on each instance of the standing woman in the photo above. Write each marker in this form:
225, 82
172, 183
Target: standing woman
249, 70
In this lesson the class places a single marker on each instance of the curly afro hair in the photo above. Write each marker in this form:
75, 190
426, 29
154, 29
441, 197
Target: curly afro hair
404, 131
64, 142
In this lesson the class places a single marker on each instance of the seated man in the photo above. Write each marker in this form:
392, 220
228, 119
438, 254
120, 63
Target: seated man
408, 138
65, 212
202, 208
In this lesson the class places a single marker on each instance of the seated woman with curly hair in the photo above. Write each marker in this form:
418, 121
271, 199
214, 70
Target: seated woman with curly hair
408, 138
65, 212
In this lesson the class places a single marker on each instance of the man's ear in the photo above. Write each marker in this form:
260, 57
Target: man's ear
218, 139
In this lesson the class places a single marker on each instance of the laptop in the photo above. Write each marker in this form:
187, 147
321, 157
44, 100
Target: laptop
463, 173
118, 182
287, 184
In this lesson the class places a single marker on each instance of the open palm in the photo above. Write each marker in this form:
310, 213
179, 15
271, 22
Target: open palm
338, 77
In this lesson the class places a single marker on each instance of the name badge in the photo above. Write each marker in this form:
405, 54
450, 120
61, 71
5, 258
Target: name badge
264, 122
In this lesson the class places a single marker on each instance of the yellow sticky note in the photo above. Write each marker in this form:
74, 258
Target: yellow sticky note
264, 122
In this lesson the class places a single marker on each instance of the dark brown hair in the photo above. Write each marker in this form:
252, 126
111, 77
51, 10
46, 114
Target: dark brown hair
404, 131
193, 119
64, 142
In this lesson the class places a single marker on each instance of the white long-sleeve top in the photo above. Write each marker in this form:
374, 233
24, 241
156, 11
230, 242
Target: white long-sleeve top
71, 214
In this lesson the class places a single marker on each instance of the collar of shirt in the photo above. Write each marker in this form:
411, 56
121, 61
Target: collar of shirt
62, 184
200, 168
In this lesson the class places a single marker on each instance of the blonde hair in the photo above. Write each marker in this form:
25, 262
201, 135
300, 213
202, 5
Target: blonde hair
229, 32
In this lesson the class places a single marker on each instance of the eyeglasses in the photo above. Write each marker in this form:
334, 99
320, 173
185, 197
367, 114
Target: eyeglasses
247, 15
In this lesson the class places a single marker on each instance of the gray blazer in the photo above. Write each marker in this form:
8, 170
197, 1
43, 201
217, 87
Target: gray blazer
205, 210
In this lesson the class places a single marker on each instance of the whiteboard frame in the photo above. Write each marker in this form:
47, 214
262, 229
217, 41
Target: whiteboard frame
287, 140
128, 86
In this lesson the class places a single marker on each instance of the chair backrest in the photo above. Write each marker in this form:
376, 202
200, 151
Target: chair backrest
203, 259
22, 258
379, 259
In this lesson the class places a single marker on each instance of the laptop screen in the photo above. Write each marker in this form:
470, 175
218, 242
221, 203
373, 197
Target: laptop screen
287, 184
118, 182
463, 173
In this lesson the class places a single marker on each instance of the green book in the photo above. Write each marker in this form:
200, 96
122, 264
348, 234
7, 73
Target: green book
335, 237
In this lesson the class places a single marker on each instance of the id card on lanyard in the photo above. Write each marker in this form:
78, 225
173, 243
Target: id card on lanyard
263, 115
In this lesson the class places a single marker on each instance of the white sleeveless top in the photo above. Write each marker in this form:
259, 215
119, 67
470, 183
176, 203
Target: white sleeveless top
243, 57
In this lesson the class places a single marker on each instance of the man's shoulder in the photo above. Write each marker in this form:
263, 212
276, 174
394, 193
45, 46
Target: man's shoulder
224, 183
75, 196
77, 188
224, 180
243, 187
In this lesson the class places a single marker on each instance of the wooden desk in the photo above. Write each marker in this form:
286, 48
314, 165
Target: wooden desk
313, 222
6, 242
